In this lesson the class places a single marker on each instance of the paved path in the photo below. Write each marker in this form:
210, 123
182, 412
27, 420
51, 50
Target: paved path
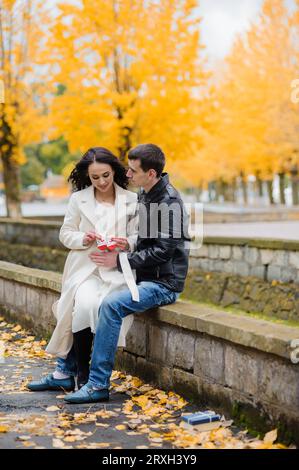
31, 424
272, 230
137, 415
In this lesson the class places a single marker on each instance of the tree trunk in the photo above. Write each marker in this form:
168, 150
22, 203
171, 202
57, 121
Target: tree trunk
226, 190
229, 190
125, 144
282, 188
233, 190
218, 189
270, 191
222, 190
121, 86
295, 185
211, 190
198, 192
259, 185
11, 173
11, 177
244, 188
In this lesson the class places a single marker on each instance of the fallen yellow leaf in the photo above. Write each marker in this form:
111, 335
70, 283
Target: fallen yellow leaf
270, 437
52, 408
23, 438
120, 427
17, 328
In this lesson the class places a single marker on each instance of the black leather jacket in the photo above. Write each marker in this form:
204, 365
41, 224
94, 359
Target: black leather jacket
162, 250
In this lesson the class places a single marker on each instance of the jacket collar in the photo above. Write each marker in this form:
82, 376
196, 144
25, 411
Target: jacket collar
155, 190
87, 202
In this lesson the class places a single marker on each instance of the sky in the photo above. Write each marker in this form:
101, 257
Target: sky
223, 19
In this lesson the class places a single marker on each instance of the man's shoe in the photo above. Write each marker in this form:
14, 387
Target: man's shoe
87, 394
49, 383
82, 378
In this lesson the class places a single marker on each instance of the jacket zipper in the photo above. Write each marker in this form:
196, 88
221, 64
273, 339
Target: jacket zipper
158, 272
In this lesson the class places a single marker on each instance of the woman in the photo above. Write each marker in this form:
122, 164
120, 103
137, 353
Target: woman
101, 208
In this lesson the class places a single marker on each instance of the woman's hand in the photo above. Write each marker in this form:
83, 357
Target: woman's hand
99, 237
89, 238
121, 243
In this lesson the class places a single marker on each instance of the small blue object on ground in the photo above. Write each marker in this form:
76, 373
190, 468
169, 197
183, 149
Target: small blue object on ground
201, 417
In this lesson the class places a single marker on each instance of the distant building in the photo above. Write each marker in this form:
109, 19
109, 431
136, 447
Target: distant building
55, 187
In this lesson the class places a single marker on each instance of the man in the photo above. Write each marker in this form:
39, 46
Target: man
160, 261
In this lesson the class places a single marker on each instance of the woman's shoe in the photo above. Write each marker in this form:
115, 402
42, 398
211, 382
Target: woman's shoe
49, 383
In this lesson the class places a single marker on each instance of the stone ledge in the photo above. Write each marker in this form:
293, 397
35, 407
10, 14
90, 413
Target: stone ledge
29, 276
202, 352
44, 224
246, 331
264, 243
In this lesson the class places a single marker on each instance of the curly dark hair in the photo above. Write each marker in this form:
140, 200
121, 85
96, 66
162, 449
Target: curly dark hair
79, 176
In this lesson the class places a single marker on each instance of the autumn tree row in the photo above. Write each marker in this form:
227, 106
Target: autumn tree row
119, 72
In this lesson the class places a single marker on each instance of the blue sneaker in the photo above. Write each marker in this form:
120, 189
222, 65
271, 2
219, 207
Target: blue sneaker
49, 383
87, 394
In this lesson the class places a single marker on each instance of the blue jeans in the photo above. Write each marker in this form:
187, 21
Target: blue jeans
68, 365
113, 309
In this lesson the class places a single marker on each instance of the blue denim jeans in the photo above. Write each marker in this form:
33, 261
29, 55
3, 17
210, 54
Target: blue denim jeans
113, 309
68, 365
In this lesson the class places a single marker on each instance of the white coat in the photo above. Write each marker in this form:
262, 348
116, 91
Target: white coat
80, 218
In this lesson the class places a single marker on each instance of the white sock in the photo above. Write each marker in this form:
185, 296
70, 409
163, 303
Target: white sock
60, 375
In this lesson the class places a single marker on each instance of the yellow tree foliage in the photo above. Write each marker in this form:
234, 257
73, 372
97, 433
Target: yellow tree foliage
253, 122
20, 37
130, 72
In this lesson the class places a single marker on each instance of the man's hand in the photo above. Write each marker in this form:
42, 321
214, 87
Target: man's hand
107, 260
121, 243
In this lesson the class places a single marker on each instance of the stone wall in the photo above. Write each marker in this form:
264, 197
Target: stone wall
234, 363
270, 260
272, 214
253, 275
40, 257
251, 294
258, 276
27, 296
30, 232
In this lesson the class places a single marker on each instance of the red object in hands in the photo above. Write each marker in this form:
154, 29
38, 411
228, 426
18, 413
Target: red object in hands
111, 245
102, 245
